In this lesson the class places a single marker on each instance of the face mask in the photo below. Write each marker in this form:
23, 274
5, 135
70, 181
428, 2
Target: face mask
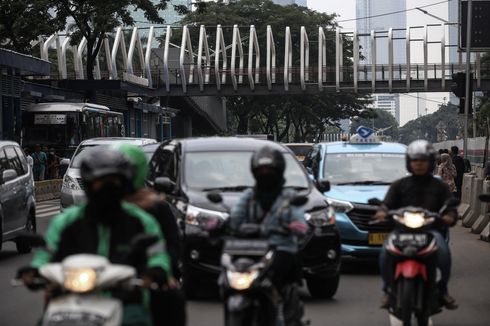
268, 181
105, 202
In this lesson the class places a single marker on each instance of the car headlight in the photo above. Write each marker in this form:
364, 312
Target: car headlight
198, 216
413, 220
241, 281
340, 206
70, 183
321, 217
80, 279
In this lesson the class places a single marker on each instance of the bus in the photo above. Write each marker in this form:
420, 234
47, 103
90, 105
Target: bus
62, 125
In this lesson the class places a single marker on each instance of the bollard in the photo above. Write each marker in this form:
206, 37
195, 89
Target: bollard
464, 208
475, 206
484, 218
485, 235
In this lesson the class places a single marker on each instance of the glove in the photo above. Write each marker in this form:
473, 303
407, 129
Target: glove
298, 227
155, 275
28, 275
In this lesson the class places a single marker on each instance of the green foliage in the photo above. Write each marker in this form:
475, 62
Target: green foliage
23, 21
425, 127
300, 117
378, 119
93, 18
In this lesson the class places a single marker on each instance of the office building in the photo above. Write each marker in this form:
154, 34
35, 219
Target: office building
290, 2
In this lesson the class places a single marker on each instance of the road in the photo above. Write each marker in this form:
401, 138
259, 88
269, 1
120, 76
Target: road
355, 304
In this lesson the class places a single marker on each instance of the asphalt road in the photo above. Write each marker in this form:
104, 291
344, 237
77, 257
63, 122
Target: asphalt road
355, 304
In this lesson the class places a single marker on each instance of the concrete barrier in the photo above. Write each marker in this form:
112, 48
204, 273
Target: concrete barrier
475, 205
47, 190
466, 188
485, 234
484, 218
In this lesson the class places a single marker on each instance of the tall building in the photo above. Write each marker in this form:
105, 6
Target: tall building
366, 10
290, 2
171, 16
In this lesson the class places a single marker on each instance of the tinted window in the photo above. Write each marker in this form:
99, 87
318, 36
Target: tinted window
4, 165
13, 160
163, 163
22, 158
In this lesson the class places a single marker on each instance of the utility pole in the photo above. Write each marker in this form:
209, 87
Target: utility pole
468, 78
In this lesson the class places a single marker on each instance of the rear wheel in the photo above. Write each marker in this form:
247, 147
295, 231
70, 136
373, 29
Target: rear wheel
323, 288
24, 247
422, 320
407, 303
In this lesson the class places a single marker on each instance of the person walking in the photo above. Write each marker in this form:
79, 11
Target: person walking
29, 159
447, 171
460, 169
53, 164
40, 160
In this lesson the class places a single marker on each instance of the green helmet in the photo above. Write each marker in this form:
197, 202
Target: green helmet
138, 162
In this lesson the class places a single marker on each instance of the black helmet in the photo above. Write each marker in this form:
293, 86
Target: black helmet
421, 149
267, 156
103, 161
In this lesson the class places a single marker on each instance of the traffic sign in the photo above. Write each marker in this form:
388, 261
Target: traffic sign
480, 36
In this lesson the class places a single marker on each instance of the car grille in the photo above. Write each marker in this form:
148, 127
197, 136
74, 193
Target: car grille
362, 214
80, 183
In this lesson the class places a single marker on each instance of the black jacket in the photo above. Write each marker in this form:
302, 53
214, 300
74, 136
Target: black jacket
460, 170
427, 192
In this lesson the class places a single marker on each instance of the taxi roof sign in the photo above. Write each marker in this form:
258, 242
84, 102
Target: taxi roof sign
364, 135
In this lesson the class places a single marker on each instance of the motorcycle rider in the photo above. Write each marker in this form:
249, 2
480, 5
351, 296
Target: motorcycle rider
268, 204
420, 189
105, 224
153, 203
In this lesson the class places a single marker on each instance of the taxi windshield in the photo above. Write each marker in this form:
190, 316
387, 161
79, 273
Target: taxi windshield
231, 170
364, 168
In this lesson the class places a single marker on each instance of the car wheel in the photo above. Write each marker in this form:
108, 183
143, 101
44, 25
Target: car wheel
323, 287
22, 246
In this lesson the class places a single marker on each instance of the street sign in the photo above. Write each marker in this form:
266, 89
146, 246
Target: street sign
50, 119
480, 36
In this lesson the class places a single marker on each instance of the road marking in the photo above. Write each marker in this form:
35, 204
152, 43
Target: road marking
47, 208
396, 322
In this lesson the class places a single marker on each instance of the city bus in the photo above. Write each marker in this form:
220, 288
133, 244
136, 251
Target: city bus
62, 125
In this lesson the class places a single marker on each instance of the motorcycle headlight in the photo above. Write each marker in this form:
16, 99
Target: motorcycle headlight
413, 220
198, 216
241, 281
340, 206
70, 183
80, 279
321, 217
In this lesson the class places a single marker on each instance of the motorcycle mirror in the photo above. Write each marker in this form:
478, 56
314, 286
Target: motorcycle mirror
323, 185
484, 198
164, 184
33, 239
215, 197
298, 200
143, 241
375, 202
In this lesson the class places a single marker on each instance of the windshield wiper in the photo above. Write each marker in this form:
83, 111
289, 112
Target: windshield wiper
234, 188
298, 188
367, 182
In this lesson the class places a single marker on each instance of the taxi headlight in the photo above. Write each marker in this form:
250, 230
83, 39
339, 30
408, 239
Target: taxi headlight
414, 220
197, 216
241, 281
80, 279
340, 206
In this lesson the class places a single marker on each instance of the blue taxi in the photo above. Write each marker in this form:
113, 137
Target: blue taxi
358, 169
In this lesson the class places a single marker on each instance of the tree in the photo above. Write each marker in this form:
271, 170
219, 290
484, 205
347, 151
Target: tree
298, 117
23, 21
379, 120
93, 18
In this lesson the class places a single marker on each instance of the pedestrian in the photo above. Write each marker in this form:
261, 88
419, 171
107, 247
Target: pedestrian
29, 159
445, 151
447, 171
40, 160
460, 169
53, 164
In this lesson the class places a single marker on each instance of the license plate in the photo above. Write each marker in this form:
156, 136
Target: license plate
377, 238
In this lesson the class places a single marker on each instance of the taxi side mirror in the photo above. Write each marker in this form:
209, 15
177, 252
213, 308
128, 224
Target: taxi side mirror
323, 185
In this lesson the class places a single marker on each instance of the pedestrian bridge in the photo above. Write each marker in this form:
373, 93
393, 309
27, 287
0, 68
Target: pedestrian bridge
234, 60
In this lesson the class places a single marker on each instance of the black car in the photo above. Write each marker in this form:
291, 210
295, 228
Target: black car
187, 170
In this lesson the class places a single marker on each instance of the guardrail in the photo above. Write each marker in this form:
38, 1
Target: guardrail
475, 213
48, 189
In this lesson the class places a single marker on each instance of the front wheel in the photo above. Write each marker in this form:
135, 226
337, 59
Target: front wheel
323, 288
407, 300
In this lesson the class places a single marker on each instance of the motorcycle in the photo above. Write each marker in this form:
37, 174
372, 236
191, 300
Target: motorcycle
250, 298
79, 286
414, 291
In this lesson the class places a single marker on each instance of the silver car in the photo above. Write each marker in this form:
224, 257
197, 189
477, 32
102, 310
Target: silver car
17, 202
72, 191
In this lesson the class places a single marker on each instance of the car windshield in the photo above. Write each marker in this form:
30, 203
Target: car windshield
364, 168
231, 170
76, 161
300, 150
